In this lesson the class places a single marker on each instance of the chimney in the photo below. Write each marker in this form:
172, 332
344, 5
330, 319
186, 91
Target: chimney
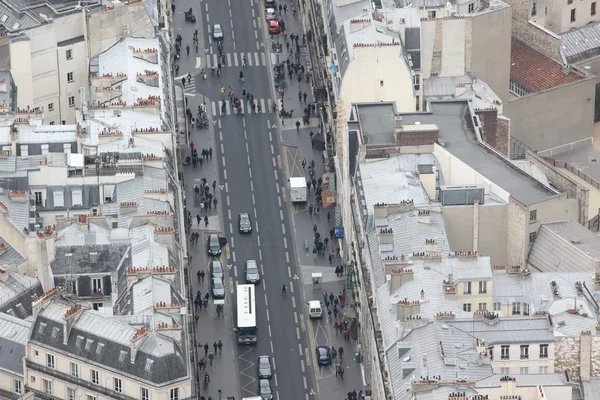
431, 245
397, 123
3, 274
380, 211
405, 308
424, 217
585, 356
386, 236
136, 340
71, 316
36, 304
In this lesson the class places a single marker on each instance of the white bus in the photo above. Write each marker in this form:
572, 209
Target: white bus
246, 314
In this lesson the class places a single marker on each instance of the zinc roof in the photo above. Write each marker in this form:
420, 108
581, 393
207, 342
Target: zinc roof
581, 43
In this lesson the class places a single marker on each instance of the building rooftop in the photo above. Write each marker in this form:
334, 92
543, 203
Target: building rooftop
148, 291
376, 122
505, 331
586, 159
14, 333
460, 140
16, 294
557, 379
538, 292
87, 259
535, 71
565, 246
581, 43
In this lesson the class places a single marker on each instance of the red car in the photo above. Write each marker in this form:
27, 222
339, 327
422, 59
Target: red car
274, 27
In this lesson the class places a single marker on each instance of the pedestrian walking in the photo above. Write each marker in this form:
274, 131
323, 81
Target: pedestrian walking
330, 259
342, 373
198, 274
205, 349
206, 220
328, 216
331, 232
211, 357
220, 345
202, 273
196, 317
304, 95
198, 218
215, 347
335, 326
325, 242
341, 352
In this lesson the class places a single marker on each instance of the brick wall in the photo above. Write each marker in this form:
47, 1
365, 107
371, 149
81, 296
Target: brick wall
378, 149
541, 40
416, 138
561, 180
518, 239
494, 131
503, 135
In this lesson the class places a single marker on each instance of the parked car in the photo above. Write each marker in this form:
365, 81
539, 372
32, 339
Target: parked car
323, 355
213, 245
264, 367
264, 389
217, 32
274, 27
216, 270
270, 14
252, 273
218, 289
244, 223
270, 4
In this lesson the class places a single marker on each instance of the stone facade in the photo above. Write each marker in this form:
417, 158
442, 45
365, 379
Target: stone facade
565, 184
530, 33
518, 242
568, 357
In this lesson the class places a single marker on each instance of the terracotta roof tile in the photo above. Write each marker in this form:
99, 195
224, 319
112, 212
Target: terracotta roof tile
535, 71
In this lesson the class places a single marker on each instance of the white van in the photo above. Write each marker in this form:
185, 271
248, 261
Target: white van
314, 309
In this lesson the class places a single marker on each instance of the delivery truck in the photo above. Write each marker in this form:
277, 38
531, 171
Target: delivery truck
298, 191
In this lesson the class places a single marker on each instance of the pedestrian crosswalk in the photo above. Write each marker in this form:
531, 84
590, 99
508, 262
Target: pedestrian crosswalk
190, 87
256, 59
225, 108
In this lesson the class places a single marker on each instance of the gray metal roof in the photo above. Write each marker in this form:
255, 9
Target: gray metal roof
108, 258
10, 255
581, 43
166, 367
565, 246
4, 54
507, 330
377, 122
16, 294
450, 118
591, 388
6, 97
18, 213
557, 379
584, 159
13, 338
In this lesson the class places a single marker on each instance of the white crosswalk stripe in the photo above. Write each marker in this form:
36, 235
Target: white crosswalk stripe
256, 59
265, 105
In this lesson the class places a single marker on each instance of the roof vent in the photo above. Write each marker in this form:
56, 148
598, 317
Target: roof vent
575, 241
149, 363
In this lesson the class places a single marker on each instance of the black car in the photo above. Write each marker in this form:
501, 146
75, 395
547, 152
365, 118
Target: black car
264, 389
213, 245
270, 4
323, 355
218, 290
244, 223
252, 274
264, 367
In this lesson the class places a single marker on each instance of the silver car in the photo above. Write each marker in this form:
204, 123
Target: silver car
251, 272
217, 33
244, 223
218, 289
264, 367
264, 389
216, 270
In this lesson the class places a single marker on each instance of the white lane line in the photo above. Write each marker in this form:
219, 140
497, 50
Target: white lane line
266, 303
256, 54
219, 121
247, 149
231, 228
292, 288
260, 255
248, 160
270, 334
232, 34
222, 148
277, 187
253, 15
255, 213
272, 352
295, 317
221, 133
275, 380
289, 270
232, 243
257, 45
198, 62
264, 284
206, 7
230, 16
253, 21
207, 18
274, 367
244, 123
258, 240
263, 58
293, 300
302, 366
225, 174
305, 384
253, 199
262, 271
285, 242
279, 201
233, 256
300, 351
256, 37
283, 228
208, 26
226, 188
250, 172
275, 171
287, 257
281, 214
235, 270
268, 319
251, 186
272, 150
297, 333
274, 163
270, 136
229, 215
224, 165
245, 135
268, 125
228, 205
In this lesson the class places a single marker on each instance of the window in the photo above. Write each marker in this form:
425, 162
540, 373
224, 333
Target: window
77, 197
593, 8
51, 107
97, 306
93, 257
504, 352
524, 351
97, 285
47, 386
544, 369
88, 344
38, 197
467, 307
525, 309
471, 7
149, 363
533, 9
516, 309
543, 351
482, 306
573, 15
431, 14
67, 148
94, 376
533, 216
417, 81
532, 236
505, 371
118, 385
71, 395
524, 370
74, 370
122, 355
144, 394
69, 77
91, 397
79, 340
569, 1
17, 386
24, 150
71, 104
417, 103
45, 148
482, 286
174, 394
467, 288
50, 361
497, 306
37, 353
32, 379
380, 83
545, 10
51, 122
69, 54
59, 200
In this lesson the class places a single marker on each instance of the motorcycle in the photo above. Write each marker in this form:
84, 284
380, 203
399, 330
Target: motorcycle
189, 17
285, 114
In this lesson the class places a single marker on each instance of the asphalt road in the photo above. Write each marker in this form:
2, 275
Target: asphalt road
252, 180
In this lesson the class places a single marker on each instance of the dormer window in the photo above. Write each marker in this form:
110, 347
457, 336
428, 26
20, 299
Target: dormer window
122, 355
79, 341
42, 328
88, 344
149, 363
93, 257
100, 348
